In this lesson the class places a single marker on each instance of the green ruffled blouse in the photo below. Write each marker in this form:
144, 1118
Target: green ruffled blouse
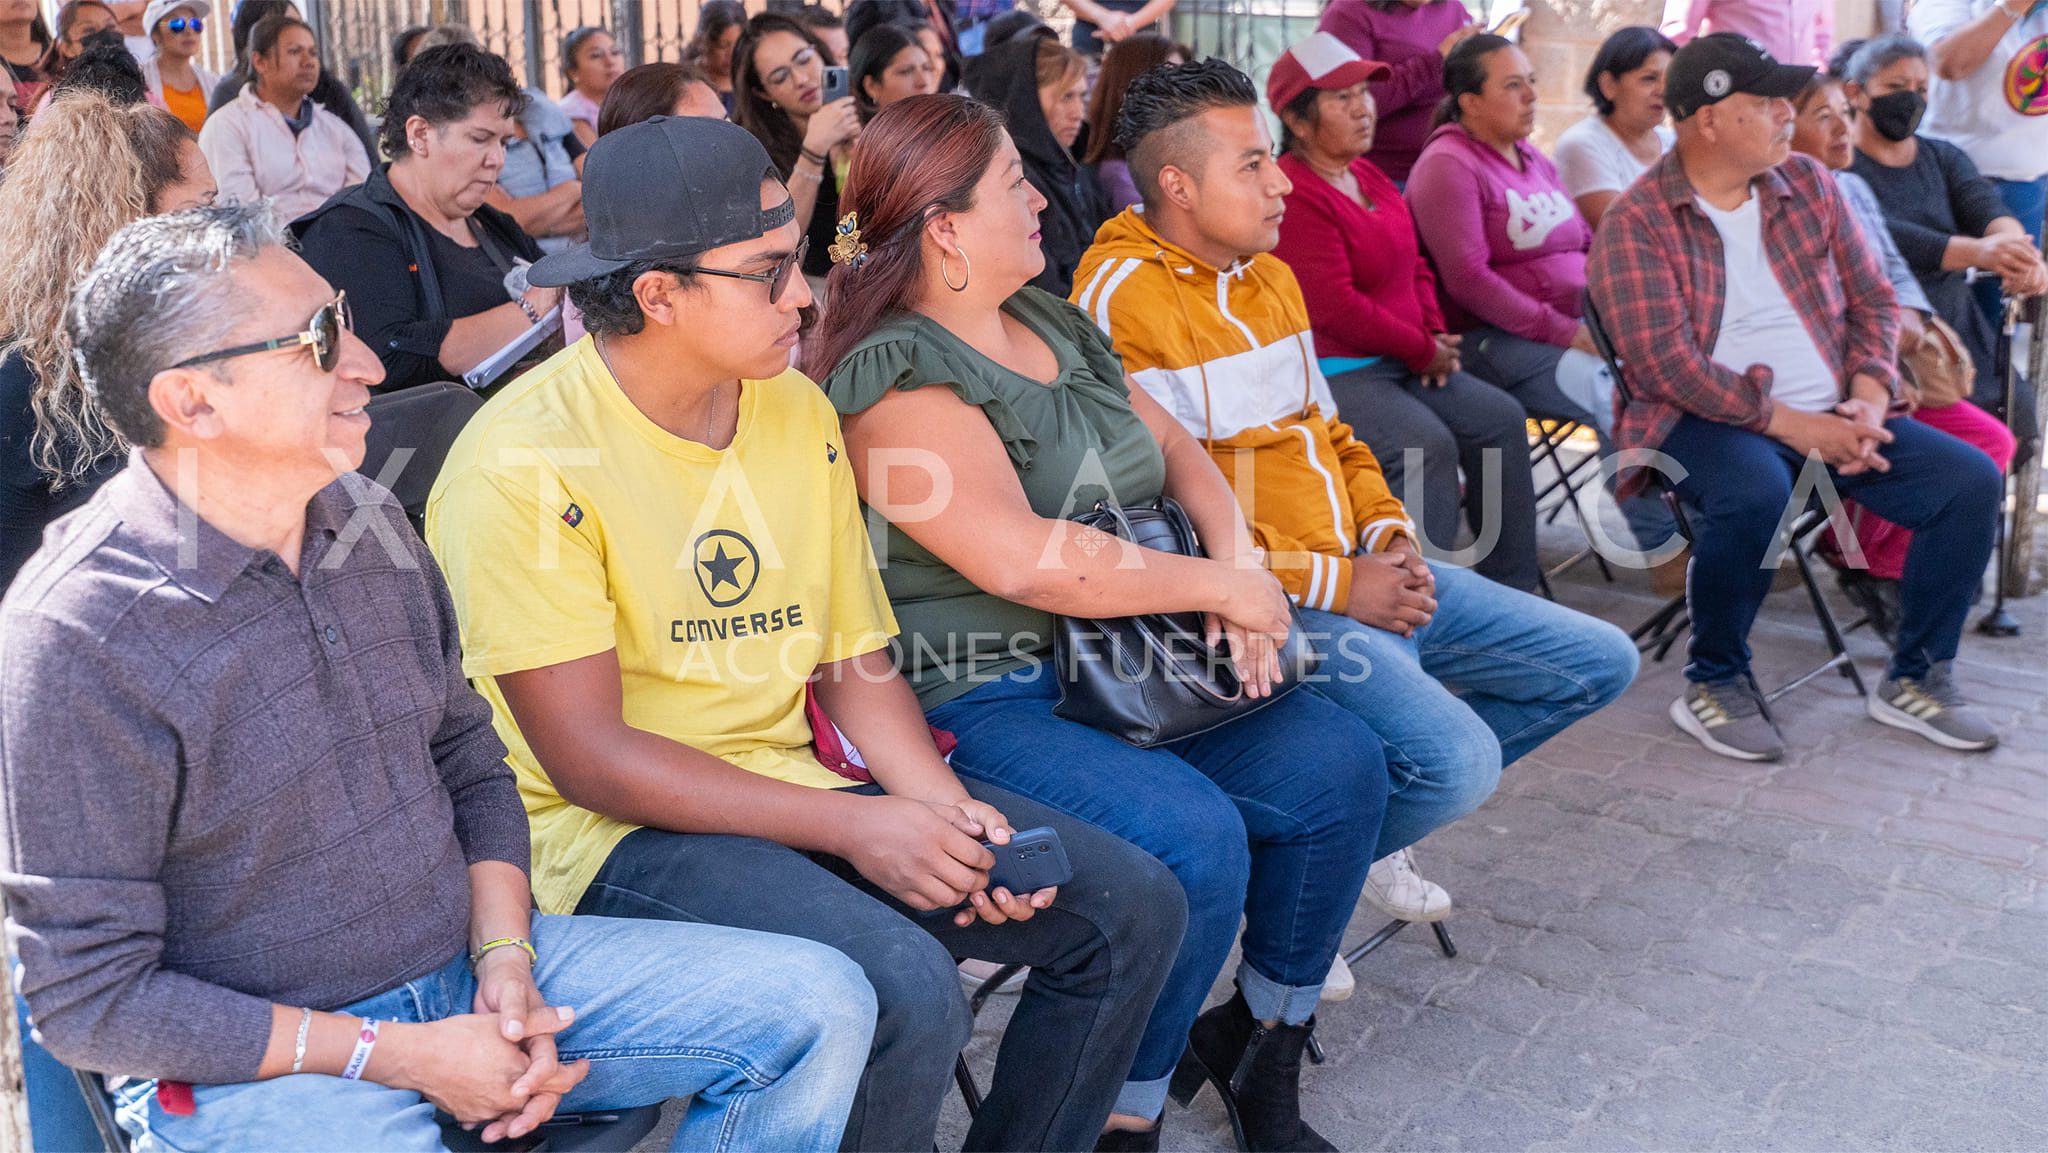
1072, 442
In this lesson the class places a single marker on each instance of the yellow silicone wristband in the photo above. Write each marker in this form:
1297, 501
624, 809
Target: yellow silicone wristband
487, 946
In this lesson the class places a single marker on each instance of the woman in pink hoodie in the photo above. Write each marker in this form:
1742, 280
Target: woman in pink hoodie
1510, 247
1412, 38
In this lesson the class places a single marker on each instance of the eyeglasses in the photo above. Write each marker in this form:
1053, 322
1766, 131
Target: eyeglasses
777, 279
323, 332
184, 24
780, 76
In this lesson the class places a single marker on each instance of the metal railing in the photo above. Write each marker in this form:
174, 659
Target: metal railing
356, 34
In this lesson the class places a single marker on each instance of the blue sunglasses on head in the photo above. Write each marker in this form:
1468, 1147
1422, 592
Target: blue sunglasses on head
184, 24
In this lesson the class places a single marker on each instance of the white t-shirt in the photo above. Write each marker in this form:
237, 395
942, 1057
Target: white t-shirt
1591, 158
1999, 113
1759, 324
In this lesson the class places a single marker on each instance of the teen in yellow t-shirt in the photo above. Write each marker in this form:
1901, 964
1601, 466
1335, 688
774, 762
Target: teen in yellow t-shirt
654, 542
569, 523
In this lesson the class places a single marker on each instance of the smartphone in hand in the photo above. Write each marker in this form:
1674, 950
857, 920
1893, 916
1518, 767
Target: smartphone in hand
1033, 860
835, 83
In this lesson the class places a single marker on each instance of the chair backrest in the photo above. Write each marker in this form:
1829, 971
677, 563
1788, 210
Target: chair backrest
425, 419
1601, 341
99, 1101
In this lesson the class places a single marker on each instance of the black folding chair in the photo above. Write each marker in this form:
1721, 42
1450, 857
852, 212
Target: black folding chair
1664, 627
1553, 432
411, 431
1386, 933
970, 1093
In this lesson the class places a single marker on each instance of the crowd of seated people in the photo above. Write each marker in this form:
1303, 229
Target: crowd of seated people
746, 576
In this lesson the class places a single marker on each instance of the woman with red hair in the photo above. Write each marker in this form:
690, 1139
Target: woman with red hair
1012, 411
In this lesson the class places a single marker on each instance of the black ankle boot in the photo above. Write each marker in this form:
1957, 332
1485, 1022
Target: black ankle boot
1131, 1140
1257, 1071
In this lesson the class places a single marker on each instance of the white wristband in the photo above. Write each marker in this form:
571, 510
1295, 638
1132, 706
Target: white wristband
366, 1040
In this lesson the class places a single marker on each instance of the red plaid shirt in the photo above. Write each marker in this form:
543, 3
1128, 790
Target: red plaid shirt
1658, 275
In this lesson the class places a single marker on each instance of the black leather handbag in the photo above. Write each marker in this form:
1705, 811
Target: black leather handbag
1153, 679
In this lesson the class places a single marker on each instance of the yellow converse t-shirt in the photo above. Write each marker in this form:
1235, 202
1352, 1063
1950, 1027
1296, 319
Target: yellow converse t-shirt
568, 523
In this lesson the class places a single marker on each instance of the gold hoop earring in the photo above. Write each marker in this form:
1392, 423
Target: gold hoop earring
967, 272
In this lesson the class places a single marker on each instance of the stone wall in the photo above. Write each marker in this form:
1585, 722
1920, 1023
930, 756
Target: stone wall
1562, 36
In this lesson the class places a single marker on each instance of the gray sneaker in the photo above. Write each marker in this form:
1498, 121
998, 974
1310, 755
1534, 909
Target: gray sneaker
1932, 707
1728, 717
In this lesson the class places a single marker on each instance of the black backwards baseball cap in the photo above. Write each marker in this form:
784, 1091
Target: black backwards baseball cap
1712, 68
664, 189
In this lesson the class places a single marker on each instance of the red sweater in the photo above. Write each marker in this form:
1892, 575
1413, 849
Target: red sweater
1369, 291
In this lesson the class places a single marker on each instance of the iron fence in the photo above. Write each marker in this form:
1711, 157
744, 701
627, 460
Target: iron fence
356, 34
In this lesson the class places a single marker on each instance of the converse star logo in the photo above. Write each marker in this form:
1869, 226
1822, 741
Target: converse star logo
726, 561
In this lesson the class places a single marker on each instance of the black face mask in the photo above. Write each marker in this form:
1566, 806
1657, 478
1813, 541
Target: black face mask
1897, 116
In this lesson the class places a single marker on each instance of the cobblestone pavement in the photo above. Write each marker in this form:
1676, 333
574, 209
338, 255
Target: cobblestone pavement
1663, 949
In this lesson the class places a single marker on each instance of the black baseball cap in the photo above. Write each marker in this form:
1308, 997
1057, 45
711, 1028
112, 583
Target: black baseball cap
1712, 68
664, 189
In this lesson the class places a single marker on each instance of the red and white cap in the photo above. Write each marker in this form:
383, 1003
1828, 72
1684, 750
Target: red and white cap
1321, 61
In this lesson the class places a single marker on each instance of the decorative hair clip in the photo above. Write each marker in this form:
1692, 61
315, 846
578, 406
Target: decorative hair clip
848, 249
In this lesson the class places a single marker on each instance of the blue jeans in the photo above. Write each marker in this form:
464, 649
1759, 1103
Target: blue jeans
1097, 958
57, 1117
2026, 200
1493, 675
765, 1035
1268, 819
1738, 486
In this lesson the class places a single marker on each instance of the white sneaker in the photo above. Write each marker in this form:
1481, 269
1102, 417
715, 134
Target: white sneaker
1394, 888
1339, 986
974, 974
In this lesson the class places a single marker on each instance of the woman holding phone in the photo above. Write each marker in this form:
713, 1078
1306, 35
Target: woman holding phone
779, 95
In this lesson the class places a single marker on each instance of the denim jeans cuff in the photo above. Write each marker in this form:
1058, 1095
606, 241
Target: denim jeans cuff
1271, 1001
1142, 1098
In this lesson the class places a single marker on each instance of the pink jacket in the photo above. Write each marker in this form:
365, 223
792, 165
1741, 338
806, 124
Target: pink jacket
1509, 244
1793, 31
